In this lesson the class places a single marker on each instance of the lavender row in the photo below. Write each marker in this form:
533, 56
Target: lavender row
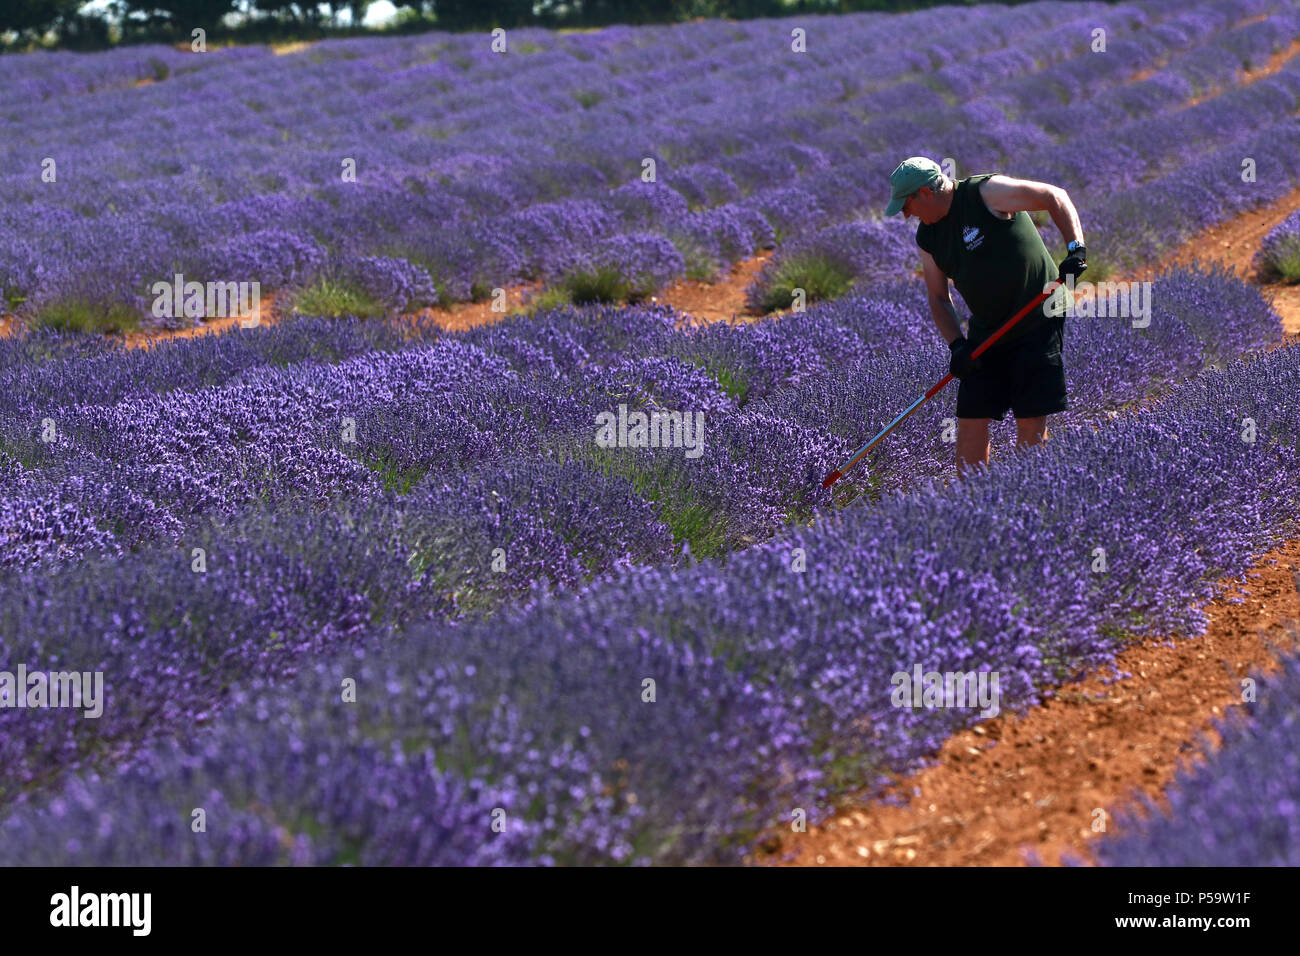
310, 433
294, 222
172, 626
482, 520
30, 82
42, 370
676, 715
99, 475
250, 444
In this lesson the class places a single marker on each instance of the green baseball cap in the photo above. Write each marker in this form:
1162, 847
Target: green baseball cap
911, 174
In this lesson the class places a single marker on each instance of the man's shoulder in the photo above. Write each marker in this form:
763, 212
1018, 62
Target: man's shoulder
963, 188
984, 180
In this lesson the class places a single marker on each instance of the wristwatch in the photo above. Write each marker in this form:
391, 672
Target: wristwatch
1076, 246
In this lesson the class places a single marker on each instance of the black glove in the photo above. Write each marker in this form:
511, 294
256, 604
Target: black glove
961, 363
1072, 265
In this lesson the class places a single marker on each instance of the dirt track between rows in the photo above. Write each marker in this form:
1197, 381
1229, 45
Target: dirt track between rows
1233, 243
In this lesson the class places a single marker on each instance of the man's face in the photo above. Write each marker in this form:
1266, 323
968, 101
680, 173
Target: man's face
924, 205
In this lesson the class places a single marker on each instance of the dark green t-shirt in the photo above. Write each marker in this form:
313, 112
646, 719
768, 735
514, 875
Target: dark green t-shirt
998, 265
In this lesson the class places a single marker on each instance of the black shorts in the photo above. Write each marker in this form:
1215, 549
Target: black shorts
1026, 376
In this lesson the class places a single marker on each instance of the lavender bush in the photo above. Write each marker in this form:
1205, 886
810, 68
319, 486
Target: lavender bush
1278, 256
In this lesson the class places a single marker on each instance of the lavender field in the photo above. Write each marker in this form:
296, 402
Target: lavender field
366, 591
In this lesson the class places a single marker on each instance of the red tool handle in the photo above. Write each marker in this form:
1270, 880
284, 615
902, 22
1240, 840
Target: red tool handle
938, 386
1006, 327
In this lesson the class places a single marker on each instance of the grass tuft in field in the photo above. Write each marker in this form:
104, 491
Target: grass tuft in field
83, 315
819, 278
333, 299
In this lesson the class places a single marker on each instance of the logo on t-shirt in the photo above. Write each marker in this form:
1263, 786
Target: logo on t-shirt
971, 236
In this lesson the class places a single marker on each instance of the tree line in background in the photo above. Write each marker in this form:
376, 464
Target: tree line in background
27, 24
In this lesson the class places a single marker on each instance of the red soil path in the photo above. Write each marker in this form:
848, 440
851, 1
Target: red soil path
720, 301
1234, 244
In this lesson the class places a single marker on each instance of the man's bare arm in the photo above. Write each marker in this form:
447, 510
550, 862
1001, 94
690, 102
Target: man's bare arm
1002, 194
941, 307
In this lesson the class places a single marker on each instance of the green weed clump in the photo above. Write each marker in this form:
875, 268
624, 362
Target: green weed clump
84, 315
818, 277
332, 299
602, 284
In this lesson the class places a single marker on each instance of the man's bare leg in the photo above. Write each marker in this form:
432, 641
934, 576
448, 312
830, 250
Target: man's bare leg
1029, 431
972, 443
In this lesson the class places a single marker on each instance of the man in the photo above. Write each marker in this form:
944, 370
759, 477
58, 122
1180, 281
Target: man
977, 232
